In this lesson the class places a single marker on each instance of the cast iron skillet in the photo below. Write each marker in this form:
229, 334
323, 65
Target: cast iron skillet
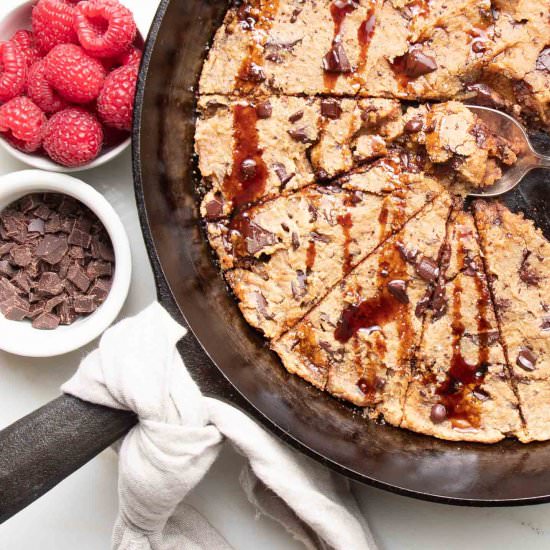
43, 448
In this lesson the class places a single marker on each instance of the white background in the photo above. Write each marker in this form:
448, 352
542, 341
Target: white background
79, 513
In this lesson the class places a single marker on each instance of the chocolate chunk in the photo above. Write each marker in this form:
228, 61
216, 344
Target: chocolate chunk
22, 281
480, 395
264, 109
526, 359
253, 73
52, 303
35, 310
67, 206
438, 413
100, 290
282, 174
5, 248
79, 237
78, 277
7, 290
320, 237
295, 241
415, 63
408, 254
29, 202
296, 116
300, 135
46, 321
298, 286
214, 208
526, 273
479, 46
485, 96
330, 108
42, 212
543, 60
398, 289
99, 268
50, 284
14, 308
67, 315
413, 126
36, 225
545, 325
249, 169
53, 225
484, 339
21, 255
427, 269
6, 268
336, 60
261, 304
256, 237
52, 248
84, 304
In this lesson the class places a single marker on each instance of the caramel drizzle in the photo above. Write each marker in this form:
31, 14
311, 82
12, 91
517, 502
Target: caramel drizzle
237, 186
255, 16
463, 377
365, 33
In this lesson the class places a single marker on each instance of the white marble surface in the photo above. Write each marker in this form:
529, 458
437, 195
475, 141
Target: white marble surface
79, 513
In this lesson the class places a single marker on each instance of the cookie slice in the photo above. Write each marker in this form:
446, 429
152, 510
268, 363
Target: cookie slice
518, 264
406, 49
254, 150
461, 388
357, 343
291, 251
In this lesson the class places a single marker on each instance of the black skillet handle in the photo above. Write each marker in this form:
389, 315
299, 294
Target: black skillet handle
43, 448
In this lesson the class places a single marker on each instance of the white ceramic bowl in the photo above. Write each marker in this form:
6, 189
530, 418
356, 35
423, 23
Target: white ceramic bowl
15, 15
19, 337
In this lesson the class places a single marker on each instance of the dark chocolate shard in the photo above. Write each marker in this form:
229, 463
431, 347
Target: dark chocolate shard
264, 109
300, 135
50, 284
282, 174
261, 304
52, 248
398, 289
46, 321
330, 108
415, 62
543, 60
296, 116
526, 359
427, 269
78, 277
336, 60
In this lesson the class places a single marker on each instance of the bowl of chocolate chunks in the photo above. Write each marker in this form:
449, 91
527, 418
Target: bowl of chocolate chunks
65, 264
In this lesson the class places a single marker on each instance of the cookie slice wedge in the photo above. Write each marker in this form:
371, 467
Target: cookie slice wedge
300, 246
357, 343
461, 388
517, 257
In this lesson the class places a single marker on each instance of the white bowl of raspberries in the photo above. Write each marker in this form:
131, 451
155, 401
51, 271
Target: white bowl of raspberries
68, 74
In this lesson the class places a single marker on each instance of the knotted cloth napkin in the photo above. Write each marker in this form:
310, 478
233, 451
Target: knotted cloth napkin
179, 435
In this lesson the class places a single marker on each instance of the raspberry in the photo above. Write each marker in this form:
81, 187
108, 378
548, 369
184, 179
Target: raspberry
73, 137
22, 123
105, 28
115, 104
75, 75
13, 71
25, 40
133, 55
52, 23
40, 91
